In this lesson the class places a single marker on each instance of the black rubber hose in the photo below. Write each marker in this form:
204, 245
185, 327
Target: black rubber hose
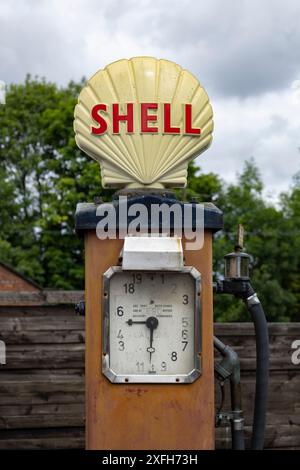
262, 373
244, 290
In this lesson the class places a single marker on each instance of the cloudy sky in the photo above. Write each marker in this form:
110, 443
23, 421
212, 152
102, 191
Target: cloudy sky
246, 53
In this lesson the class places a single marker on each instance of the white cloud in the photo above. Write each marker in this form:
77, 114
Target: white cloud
266, 127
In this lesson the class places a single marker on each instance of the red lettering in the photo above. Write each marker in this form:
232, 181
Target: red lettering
145, 117
122, 117
168, 129
188, 121
99, 119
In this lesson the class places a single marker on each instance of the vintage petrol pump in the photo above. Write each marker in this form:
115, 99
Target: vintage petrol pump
149, 290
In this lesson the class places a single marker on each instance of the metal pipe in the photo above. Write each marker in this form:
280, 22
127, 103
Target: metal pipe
229, 367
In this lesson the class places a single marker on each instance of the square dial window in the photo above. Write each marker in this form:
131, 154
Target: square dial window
151, 328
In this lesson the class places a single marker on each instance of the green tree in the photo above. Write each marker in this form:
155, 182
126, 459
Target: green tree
267, 240
200, 186
43, 176
290, 203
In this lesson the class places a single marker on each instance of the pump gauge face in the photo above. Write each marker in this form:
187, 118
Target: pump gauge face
151, 326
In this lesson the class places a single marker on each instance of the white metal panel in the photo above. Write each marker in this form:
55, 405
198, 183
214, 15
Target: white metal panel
152, 253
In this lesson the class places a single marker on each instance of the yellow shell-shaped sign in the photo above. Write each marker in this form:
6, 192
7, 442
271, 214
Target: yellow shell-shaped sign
143, 119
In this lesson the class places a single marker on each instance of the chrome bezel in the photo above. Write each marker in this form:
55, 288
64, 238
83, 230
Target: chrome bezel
147, 378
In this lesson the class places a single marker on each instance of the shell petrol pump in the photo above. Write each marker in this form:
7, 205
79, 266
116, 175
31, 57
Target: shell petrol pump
148, 267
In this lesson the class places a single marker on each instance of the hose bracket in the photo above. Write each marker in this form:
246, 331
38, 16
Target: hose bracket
252, 300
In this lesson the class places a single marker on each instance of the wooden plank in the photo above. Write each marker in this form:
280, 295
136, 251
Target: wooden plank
43, 374
44, 297
42, 323
40, 421
45, 384
56, 438
39, 397
41, 409
37, 311
63, 296
22, 298
43, 433
44, 356
246, 344
64, 386
43, 444
29, 337
276, 364
247, 328
276, 436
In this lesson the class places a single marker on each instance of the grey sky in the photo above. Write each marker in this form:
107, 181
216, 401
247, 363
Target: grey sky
245, 52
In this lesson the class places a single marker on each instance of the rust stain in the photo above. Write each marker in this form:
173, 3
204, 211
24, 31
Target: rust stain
137, 391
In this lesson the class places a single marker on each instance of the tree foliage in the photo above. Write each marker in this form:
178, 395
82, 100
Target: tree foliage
43, 175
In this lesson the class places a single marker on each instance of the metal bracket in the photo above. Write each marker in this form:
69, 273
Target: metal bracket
235, 417
252, 300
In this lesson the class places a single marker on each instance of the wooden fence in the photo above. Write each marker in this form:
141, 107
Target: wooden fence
42, 382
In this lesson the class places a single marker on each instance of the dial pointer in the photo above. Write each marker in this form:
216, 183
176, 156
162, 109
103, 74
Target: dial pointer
130, 322
151, 350
152, 324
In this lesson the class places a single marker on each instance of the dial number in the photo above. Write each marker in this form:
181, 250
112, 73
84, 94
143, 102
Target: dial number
140, 366
120, 311
129, 288
174, 356
137, 278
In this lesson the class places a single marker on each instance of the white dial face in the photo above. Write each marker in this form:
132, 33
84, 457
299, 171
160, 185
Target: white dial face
151, 325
